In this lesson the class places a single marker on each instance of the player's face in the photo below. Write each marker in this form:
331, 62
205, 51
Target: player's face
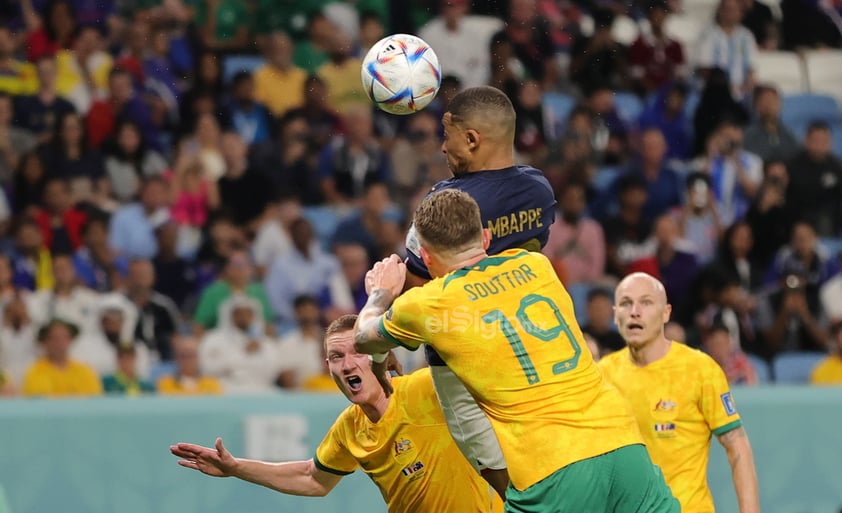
351, 370
640, 310
455, 146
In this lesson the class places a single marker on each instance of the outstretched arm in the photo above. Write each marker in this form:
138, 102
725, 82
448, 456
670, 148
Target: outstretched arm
293, 478
741, 459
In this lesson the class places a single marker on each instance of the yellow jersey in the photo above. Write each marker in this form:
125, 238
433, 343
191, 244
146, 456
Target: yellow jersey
45, 379
828, 371
205, 385
506, 327
408, 453
679, 401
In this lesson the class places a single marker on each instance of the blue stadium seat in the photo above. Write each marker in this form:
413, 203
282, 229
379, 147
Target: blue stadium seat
804, 108
161, 369
234, 64
557, 107
604, 177
832, 245
629, 107
761, 368
794, 368
579, 294
836, 133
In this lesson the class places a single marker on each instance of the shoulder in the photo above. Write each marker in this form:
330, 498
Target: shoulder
694, 358
613, 361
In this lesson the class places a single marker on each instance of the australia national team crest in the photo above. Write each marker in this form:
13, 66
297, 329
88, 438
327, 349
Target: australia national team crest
402, 446
728, 403
665, 406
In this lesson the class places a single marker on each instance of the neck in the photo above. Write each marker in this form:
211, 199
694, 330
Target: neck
467, 258
59, 361
651, 169
375, 409
650, 352
629, 215
139, 296
47, 94
62, 290
499, 160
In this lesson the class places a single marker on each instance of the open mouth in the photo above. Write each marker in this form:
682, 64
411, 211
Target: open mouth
634, 327
354, 383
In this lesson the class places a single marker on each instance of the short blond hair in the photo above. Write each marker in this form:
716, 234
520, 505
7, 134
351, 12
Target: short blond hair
341, 325
449, 221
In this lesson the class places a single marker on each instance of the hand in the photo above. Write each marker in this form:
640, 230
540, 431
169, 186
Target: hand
389, 274
217, 462
381, 371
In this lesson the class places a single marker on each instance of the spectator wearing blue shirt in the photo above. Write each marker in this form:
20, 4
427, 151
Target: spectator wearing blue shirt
248, 118
96, 264
366, 226
40, 113
667, 113
133, 226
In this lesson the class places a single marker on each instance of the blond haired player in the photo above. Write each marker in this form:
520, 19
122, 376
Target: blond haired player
680, 397
401, 442
505, 326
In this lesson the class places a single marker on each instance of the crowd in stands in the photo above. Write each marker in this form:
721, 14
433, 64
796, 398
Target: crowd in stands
193, 189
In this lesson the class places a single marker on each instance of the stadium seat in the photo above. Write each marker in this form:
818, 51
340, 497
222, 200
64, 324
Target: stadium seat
629, 106
686, 29
832, 245
234, 64
579, 294
557, 107
802, 109
324, 221
161, 369
824, 72
794, 368
782, 69
604, 177
761, 369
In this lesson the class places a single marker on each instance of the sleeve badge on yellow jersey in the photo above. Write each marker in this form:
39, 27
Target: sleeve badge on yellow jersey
728, 403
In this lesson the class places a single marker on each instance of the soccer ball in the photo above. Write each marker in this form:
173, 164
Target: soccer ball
401, 74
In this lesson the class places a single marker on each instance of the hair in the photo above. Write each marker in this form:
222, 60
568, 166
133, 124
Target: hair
599, 292
483, 101
697, 176
818, 125
717, 327
240, 77
46, 329
304, 300
762, 89
449, 221
341, 325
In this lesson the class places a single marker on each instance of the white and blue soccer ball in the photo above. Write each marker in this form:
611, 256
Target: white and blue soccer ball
401, 74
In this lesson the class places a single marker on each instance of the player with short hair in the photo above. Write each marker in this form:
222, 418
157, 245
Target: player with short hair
401, 442
505, 325
517, 205
680, 397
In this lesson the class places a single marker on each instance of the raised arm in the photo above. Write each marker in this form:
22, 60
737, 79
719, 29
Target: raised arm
383, 283
741, 459
292, 478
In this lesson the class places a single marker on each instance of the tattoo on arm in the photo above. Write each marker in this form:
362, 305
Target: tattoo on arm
368, 338
732, 436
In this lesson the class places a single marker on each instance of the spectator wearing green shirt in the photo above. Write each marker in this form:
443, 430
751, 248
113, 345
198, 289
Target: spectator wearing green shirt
223, 24
126, 381
236, 278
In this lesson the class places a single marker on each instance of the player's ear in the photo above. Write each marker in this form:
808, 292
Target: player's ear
425, 256
486, 238
473, 138
667, 313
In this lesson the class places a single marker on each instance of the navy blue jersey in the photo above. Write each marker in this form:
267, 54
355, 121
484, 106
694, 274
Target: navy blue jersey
517, 206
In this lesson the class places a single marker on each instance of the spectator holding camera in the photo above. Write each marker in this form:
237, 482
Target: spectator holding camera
771, 215
790, 317
815, 187
698, 218
767, 136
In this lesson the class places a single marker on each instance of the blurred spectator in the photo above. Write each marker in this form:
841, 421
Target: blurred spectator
506, 70
675, 331
607, 119
15, 142
97, 266
732, 307
655, 59
16, 77
53, 31
98, 347
736, 365
663, 183
188, 378
313, 52
815, 183
134, 49
222, 238
809, 24
132, 232
301, 350
598, 60
346, 294
464, 38
203, 144
55, 374
601, 321
223, 24
735, 173
193, 194
673, 263
31, 261
715, 107
322, 121
532, 45
237, 352
351, 162
576, 154
416, 160
61, 223
627, 232
530, 140
244, 192
341, 74
40, 113
67, 155
248, 118
667, 112
279, 84
771, 215
162, 71
157, 315
758, 18
237, 279
735, 258
288, 159
8, 290
28, 184
175, 277
125, 380
67, 300
790, 317
593, 347
129, 159
766, 136
18, 348
122, 103
371, 31
306, 270
576, 245
728, 45
367, 226
82, 71
271, 238
204, 97
698, 218
829, 370
803, 256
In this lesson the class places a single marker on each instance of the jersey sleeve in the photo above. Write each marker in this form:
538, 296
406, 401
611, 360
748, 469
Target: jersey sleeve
332, 454
414, 263
405, 323
718, 405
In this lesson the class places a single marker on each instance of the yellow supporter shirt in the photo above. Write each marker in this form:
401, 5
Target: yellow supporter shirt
280, 91
19, 79
344, 87
679, 401
828, 371
506, 327
409, 453
45, 379
206, 385
320, 383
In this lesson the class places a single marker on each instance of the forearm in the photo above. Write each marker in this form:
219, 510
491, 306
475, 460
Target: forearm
293, 478
367, 336
741, 460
